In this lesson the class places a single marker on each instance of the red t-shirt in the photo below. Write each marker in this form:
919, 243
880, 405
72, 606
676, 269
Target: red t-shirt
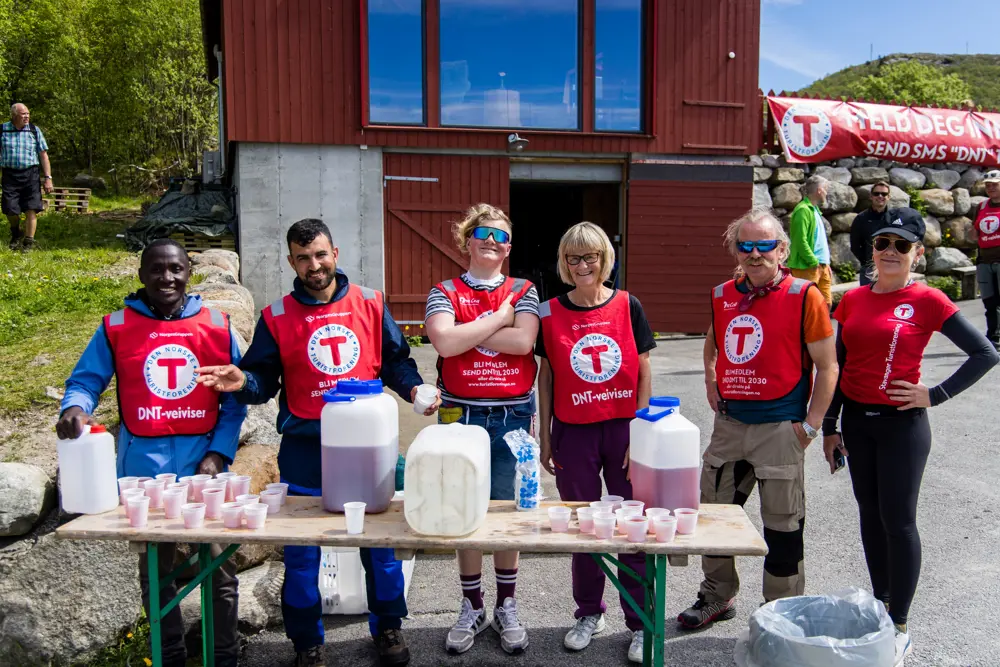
885, 336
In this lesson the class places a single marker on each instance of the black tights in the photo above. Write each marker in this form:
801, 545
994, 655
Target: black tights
887, 458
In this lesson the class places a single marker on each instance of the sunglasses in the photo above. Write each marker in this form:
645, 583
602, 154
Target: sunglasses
883, 242
880, 194
483, 233
589, 258
746, 247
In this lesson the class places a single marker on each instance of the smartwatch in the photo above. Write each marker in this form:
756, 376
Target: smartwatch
810, 431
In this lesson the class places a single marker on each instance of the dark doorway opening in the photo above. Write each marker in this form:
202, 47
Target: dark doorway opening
542, 212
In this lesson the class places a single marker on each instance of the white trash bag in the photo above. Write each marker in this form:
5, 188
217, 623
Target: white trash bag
849, 628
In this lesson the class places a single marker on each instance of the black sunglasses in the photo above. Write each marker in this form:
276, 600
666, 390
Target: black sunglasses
880, 194
902, 245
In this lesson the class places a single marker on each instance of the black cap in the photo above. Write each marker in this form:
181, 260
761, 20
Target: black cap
905, 222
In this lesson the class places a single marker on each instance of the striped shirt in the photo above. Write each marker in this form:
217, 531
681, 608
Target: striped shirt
19, 149
437, 302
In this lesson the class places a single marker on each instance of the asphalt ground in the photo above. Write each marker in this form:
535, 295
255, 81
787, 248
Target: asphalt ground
951, 620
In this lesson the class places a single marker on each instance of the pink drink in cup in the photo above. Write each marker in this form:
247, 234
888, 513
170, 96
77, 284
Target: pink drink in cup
634, 503
665, 527
132, 493
652, 513
687, 520
172, 501
198, 484
167, 477
623, 513
232, 515
604, 525
143, 479
213, 499
248, 499
559, 519
279, 486
194, 515
636, 527
227, 476
255, 516
187, 481
585, 516
138, 511
154, 489
616, 501
272, 499
240, 484
125, 483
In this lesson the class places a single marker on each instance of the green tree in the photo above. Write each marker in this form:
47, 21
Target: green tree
913, 83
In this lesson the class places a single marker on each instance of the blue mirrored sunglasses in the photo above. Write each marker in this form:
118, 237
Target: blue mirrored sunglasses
747, 247
483, 233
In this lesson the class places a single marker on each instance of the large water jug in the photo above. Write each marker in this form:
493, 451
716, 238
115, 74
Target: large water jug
88, 483
665, 451
360, 445
446, 483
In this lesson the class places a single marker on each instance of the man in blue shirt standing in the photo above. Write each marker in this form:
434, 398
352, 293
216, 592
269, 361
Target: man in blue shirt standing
22, 148
355, 337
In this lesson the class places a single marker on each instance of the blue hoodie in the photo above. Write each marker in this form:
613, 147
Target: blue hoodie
299, 458
148, 457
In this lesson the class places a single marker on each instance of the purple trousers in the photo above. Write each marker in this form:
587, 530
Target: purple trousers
581, 452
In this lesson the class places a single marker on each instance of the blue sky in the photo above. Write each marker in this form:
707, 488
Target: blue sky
804, 40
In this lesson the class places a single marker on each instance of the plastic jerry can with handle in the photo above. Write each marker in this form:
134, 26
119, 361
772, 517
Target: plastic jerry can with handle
88, 480
665, 454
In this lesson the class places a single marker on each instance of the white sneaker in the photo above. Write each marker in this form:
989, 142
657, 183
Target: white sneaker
578, 638
513, 636
903, 647
470, 623
635, 648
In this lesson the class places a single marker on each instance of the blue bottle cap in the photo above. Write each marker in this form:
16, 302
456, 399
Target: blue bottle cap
358, 387
665, 401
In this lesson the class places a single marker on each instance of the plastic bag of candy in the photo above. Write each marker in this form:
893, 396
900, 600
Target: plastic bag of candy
527, 470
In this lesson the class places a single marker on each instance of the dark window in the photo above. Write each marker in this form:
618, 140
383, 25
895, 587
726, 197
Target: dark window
618, 66
395, 62
510, 63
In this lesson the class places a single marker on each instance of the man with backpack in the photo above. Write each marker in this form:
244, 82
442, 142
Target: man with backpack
22, 151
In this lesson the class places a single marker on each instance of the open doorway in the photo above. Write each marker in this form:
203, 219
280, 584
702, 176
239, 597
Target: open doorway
542, 212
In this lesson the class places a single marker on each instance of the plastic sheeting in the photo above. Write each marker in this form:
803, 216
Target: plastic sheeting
208, 210
849, 628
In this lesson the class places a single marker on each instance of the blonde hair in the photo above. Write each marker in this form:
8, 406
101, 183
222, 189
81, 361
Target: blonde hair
580, 239
477, 216
756, 214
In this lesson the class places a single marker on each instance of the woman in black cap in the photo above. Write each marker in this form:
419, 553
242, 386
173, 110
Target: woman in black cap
884, 329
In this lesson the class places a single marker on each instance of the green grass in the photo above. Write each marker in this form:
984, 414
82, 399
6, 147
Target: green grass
111, 202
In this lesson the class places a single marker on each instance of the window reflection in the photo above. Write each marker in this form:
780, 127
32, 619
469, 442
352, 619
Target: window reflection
618, 66
395, 62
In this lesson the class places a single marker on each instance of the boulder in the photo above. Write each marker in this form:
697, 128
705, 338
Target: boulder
786, 196
866, 175
960, 167
889, 164
939, 202
827, 227
868, 162
897, 197
846, 163
975, 202
839, 198
761, 174
841, 222
755, 161
941, 261
260, 462
960, 232
932, 235
217, 292
240, 317
921, 265
962, 201
259, 428
761, 196
778, 212
834, 174
259, 603
945, 179
63, 601
978, 189
26, 495
210, 273
970, 177
771, 161
840, 252
95, 183
227, 259
787, 175
241, 342
907, 178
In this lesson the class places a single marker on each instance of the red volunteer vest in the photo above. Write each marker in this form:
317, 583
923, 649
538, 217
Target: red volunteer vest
988, 225
594, 360
321, 344
155, 362
760, 352
481, 373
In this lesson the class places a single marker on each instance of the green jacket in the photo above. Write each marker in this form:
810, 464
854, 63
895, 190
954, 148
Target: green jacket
802, 231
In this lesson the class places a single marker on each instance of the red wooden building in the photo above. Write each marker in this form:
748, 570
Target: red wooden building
387, 118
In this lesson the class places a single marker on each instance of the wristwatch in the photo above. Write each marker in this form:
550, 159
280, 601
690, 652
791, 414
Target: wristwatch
810, 431
48, 178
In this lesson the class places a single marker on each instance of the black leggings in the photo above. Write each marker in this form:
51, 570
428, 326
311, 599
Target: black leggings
888, 453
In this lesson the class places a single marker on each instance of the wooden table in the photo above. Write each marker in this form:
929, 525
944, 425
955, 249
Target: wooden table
723, 530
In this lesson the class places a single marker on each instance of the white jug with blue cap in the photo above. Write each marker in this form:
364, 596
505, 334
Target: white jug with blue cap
665, 454
359, 438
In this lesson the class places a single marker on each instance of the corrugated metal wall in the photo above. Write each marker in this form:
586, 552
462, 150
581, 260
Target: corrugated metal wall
293, 76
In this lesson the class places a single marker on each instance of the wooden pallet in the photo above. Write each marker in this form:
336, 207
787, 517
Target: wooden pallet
75, 200
194, 242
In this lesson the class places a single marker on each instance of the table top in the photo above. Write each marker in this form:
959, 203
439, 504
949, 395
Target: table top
722, 530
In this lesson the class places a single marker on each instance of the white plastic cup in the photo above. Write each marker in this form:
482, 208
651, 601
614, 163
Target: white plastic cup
167, 477
125, 483
604, 525
634, 503
585, 517
636, 527
226, 476
143, 479
616, 501
425, 398
601, 506
213, 499
623, 513
138, 511
248, 499
240, 485
154, 490
132, 493
652, 513
186, 487
687, 520
355, 515
255, 516
219, 484
279, 486
187, 480
172, 501
194, 515
272, 499
665, 527
198, 484
559, 518
232, 515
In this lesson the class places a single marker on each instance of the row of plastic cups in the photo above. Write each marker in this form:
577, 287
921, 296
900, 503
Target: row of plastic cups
232, 484
627, 518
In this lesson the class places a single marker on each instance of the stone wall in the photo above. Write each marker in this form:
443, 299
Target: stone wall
949, 192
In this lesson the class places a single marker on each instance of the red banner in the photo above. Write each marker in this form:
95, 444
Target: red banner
822, 130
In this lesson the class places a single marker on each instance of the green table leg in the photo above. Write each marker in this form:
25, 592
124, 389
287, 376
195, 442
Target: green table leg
653, 612
207, 607
647, 632
155, 614
659, 608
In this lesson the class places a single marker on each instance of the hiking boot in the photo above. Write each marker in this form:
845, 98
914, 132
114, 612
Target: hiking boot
635, 648
27, 243
513, 636
578, 638
392, 650
470, 623
903, 646
15, 238
311, 657
702, 613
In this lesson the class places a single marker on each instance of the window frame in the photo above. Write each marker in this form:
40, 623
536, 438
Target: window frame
366, 74
645, 57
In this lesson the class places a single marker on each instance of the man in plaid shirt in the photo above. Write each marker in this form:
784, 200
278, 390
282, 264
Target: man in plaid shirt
22, 149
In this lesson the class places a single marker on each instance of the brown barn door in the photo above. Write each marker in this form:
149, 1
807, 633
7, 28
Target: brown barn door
677, 215
424, 196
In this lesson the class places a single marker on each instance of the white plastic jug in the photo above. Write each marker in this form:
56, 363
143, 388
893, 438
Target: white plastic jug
665, 451
88, 480
446, 484
360, 445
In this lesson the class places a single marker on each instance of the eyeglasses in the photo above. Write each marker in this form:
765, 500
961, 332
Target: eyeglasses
483, 233
882, 243
746, 247
880, 194
589, 258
